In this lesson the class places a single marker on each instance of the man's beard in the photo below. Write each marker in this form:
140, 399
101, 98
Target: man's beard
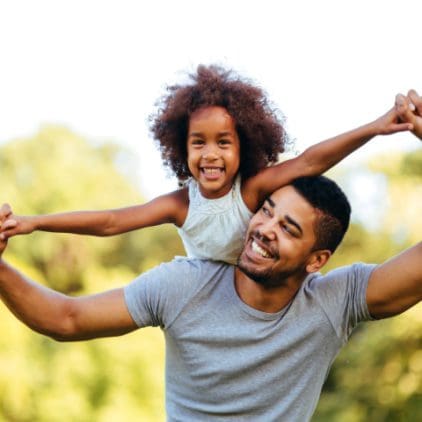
267, 277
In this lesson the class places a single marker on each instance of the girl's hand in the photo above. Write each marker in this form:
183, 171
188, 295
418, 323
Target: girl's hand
12, 225
409, 110
391, 122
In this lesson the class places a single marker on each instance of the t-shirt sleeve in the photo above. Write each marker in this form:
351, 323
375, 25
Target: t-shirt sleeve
156, 297
342, 295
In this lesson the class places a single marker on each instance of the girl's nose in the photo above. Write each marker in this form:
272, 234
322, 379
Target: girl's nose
210, 153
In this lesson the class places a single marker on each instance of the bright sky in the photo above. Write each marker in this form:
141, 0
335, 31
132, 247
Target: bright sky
97, 66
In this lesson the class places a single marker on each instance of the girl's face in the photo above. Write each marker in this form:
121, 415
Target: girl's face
213, 150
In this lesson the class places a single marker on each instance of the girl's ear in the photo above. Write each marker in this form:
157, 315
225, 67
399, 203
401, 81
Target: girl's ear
317, 260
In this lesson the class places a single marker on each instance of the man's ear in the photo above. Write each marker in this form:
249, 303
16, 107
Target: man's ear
317, 260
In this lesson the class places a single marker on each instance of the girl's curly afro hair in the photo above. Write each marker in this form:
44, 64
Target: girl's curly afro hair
258, 125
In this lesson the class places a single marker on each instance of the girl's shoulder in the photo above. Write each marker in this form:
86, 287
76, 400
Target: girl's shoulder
176, 204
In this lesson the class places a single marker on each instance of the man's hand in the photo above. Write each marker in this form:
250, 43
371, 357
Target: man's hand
11, 225
5, 212
409, 110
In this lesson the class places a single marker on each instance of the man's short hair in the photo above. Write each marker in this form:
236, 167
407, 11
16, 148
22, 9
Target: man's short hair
333, 209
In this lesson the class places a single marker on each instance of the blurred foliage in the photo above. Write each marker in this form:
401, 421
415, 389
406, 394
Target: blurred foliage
101, 380
377, 377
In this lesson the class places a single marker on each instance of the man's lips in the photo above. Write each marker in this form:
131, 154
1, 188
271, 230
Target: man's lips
258, 247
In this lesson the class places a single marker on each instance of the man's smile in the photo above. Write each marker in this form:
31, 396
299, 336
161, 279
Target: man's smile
261, 248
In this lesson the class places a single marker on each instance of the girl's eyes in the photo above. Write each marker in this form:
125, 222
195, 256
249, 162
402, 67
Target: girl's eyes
224, 142
198, 142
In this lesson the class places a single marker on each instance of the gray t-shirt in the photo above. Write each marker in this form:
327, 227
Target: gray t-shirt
228, 361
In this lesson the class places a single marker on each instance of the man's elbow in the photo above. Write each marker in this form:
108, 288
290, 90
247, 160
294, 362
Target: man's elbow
61, 327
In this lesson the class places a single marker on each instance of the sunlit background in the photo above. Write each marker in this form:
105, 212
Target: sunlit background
77, 76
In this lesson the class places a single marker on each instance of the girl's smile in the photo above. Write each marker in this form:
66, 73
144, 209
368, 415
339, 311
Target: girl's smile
213, 148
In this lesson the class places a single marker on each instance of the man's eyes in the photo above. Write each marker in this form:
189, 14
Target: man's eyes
290, 230
266, 211
286, 228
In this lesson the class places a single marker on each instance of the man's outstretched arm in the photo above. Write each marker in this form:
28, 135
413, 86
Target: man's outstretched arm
409, 110
396, 285
59, 316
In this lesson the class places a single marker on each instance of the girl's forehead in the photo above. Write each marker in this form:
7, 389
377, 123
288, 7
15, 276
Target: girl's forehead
206, 112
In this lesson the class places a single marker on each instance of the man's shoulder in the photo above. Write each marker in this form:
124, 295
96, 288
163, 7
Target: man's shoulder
159, 295
186, 271
355, 271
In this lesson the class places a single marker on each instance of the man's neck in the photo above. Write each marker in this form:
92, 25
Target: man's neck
262, 298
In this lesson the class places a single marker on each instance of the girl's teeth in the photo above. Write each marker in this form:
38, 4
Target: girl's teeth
211, 171
256, 248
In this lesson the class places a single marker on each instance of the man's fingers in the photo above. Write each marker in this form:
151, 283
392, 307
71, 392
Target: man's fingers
9, 224
5, 211
416, 100
401, 127
403, 110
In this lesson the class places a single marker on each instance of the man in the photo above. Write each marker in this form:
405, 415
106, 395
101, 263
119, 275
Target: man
252, 342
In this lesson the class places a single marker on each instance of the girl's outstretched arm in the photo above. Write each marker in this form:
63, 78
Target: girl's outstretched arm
318, 158
169, 208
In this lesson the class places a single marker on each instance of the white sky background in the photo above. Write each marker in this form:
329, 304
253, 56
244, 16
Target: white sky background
97, 67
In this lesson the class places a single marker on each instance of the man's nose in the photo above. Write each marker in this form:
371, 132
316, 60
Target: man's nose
267, 229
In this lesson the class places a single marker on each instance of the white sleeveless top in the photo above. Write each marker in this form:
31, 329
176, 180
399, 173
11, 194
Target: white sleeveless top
215, 228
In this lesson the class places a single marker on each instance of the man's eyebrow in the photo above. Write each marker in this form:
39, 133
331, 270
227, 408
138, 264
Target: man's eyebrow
293, 223
270, 201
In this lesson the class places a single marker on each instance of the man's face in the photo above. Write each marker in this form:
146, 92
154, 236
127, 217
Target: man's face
280, 239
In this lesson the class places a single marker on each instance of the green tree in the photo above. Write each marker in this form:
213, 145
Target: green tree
101, 380
378, 376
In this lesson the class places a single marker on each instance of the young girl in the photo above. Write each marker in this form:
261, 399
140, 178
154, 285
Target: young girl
219, 135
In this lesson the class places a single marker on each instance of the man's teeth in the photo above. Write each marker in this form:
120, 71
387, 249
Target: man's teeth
256, 248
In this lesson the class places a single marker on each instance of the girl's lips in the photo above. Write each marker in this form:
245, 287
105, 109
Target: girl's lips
212, 173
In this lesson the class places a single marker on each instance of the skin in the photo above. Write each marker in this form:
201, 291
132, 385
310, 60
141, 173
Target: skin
409, 110
279, 245
284, 232
278, 252
211, 141
213, 151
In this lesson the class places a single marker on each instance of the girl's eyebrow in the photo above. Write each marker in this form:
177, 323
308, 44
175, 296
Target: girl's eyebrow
224, 133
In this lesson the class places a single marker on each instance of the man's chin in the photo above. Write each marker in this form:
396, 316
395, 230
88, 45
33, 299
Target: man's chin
267, 277
262, 277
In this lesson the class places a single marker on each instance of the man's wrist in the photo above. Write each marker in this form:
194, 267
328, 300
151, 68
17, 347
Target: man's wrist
2, 263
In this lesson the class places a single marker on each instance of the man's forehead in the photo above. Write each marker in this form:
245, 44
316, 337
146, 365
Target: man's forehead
286, 194
288, 200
